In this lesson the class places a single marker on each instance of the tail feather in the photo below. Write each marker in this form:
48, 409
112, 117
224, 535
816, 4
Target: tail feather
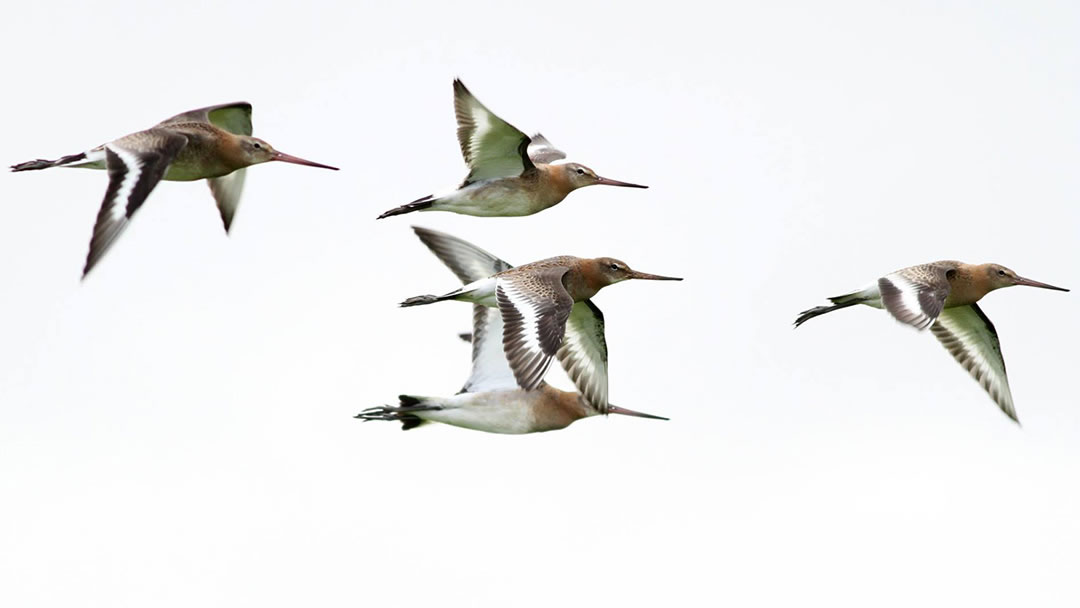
34, 165
417, 205
404, 413
838, 303
421, 300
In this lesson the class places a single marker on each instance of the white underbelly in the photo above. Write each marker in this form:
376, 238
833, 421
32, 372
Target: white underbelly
508, 412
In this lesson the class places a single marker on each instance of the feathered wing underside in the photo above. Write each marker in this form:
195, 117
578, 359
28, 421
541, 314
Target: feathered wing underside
971, 339
491, 370
233, 117
467, 261
227, 190
534, 307
915, 295
135, 163
541, 152
584, 354
492, 147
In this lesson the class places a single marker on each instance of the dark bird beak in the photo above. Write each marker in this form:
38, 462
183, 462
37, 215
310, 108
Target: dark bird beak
651, 277
1030, 283
614, 182
614, 409
296, 160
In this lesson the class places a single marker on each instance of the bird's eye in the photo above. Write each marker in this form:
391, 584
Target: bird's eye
257, 146
1001, 273
614, 266
581, 172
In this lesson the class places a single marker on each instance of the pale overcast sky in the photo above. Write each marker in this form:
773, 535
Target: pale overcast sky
177, 430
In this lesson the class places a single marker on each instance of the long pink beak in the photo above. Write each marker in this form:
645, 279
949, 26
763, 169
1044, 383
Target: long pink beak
614, 409
614, 182
296, 160
651, 277
1030, 283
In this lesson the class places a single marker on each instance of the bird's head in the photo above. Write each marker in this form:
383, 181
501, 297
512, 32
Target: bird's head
254, 151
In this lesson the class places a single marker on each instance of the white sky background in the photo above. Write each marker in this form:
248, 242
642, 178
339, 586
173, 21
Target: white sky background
177, 430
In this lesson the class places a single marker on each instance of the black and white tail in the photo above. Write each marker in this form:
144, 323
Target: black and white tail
427, 299
417, 205
404, 413
851, 299
35, 165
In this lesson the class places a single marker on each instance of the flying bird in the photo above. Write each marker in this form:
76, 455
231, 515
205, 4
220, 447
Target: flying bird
491, 400
545, 308
212, 143
510, 173
943, 296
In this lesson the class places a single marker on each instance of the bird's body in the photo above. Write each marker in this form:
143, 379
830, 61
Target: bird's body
510, 173
943, 296
212, 143
525, 194
540, 303
581, 278
509, 410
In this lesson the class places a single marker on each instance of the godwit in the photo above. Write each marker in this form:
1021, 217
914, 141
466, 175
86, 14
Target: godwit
540, 303
491, 400
942, 296
213, 143
510, 174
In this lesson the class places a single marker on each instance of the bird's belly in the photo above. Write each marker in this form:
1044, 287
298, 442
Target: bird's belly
508, 412
496, 198
190, 165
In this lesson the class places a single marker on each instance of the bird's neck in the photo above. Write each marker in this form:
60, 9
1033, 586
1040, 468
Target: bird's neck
560, 408
231, 153
584, 283
968, 285
556, 180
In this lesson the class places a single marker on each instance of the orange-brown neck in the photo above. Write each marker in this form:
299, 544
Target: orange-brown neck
556, 182
968, 284
588, 280
231, 152
560, 409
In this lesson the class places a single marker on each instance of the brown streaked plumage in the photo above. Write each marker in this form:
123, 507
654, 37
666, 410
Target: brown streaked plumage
510, 174
545, 306
212, 143
943, 296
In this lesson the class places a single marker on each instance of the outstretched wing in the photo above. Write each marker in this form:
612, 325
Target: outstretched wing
226, 190
534, 309
233, 117
541, 152
491, 146
970, 337
467, 261
584, 353
490, 370
916, 295
135, 164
